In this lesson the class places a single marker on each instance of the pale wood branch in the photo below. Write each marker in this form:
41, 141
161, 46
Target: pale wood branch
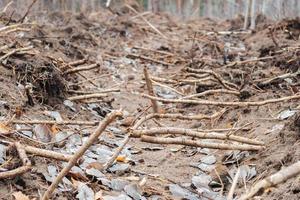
279, 177
216, 103
189, 142
188, 132
93, 137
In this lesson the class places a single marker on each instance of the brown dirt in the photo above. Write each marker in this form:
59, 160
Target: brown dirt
109, 40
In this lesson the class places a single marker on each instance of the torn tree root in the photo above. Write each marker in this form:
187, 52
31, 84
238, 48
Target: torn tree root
82, 68
43, 152
226, 84
150, 90
102, 126
189, 142
279, 177
20, 170
88, 123
87, 96
188, 132
216, 103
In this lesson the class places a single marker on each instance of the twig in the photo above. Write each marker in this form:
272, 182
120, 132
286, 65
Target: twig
117, 152
15, 51
216, 103
233, 186
221, 129
189, 142
6, 7
226, 84
189, 132
74, 122
150, 59
150, 90
92, 92
43, 152
27, 11
279, 177
168, 87
77, 62
21, 170
145, 20
82, 68
102, 126
278, 78
207, 92
87, 96
164, 80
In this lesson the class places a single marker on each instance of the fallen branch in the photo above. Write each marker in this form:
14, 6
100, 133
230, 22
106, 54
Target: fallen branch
42, 152
208, 92
92, 92
189, 142
87, 96
278, 78
233, 186
188, 132
93, 137
15, 51
89, 123
150, 59
20, 170
82, 68
279, 177
226, 84
150, 90
216, 103
27, 11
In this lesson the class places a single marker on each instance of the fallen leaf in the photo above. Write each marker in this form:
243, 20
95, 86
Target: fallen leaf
54, 129
20, 196
4, 129
95, 165
99, 195
122, 159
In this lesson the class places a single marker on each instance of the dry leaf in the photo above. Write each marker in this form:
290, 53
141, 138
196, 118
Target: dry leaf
20, 196
95, 165
4, 129
54, 129
122, 159
99, 195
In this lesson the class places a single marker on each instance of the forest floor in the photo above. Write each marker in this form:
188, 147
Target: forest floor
50, 60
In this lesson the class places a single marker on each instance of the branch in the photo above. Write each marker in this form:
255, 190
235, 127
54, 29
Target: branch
150, 90
66, 122
207, 92
87, 96
216, 103
189, 142
226, 84
102, 126
279, 177
82, 68
188, 132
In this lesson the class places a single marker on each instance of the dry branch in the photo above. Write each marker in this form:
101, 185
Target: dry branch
208, 92
279, 177
92, 92
278, 78
87, 96
89, 123
150, 90
102, 126
188, 132
43, 152
189, 142
82, 68
226, 84
15, 51
216, 103
150, 59
20, 170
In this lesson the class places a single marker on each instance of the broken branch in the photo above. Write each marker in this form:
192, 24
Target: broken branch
93, 137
